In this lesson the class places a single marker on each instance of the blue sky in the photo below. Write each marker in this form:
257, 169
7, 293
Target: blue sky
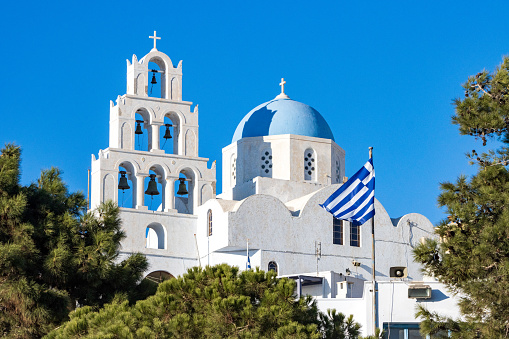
382, 74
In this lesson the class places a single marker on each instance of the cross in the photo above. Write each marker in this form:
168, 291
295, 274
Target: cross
282, 84
155, 37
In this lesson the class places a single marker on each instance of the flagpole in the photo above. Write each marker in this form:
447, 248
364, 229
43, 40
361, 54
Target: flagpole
373, 258
247, 254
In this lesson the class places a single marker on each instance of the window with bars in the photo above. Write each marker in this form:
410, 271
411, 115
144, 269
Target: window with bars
337, 231
209, 223
355, 234
309, 165
266, 163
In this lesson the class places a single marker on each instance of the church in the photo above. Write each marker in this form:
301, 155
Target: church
281, 164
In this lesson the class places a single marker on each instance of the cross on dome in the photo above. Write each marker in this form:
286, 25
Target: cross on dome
282, 84
155, 37
282, 95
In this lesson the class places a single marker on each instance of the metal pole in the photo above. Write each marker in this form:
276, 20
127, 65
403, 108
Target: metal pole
88, 190
373, 258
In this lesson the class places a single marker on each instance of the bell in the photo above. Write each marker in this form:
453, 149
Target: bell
154, 81
152, 186
167, 134
122, 182
138, 127
182, 187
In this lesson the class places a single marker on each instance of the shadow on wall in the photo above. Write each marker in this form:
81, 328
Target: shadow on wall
436, 295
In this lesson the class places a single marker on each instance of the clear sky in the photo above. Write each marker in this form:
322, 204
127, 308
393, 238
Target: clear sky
382, 73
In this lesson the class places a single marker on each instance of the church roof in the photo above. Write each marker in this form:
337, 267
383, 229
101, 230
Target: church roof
283, 116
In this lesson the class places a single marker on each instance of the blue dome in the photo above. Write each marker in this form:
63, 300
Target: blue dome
283, 116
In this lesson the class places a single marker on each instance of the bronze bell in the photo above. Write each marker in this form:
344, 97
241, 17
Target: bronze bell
182, 187
167, 134
138, 127
122, 182
152, 186
154, 80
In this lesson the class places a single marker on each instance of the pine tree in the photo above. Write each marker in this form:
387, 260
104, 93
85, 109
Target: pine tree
472, 258
53, 255
214, 302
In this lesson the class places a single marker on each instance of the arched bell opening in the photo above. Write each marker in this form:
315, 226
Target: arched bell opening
142, 131
154, 190
155, 236
126, 186
168, 136
157, 78
185, 192
159, 276
173, 145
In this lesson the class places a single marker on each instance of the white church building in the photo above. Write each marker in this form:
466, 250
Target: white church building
281, 164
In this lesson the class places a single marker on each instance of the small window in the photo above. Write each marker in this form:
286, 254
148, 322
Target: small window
272, 266
338, 172
309, 165
337, 231
209, 222
266, 163
355, 234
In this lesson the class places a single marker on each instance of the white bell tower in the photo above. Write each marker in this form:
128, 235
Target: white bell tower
140, 124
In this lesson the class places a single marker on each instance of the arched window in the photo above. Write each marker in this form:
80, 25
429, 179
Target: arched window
209, 223
272, 266
337, 231
155, 237
309, 165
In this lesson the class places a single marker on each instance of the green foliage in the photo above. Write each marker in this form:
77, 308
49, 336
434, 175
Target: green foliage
214, 302
53, 255
472, 258
336, 325
379, 334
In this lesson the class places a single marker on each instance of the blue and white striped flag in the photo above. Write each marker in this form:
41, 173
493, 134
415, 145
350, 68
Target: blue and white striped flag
355, 199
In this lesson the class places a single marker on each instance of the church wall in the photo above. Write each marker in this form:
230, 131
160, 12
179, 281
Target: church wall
219, 238
287, 164
290, 240
179, 230
284, 190
180, 243
234, 258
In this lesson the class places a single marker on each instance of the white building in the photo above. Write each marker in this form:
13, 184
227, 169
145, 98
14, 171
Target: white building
281, 164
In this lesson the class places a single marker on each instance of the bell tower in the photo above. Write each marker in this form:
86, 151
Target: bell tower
153, 150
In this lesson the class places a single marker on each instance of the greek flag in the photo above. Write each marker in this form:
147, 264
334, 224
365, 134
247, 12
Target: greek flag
248, 264
355, 199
